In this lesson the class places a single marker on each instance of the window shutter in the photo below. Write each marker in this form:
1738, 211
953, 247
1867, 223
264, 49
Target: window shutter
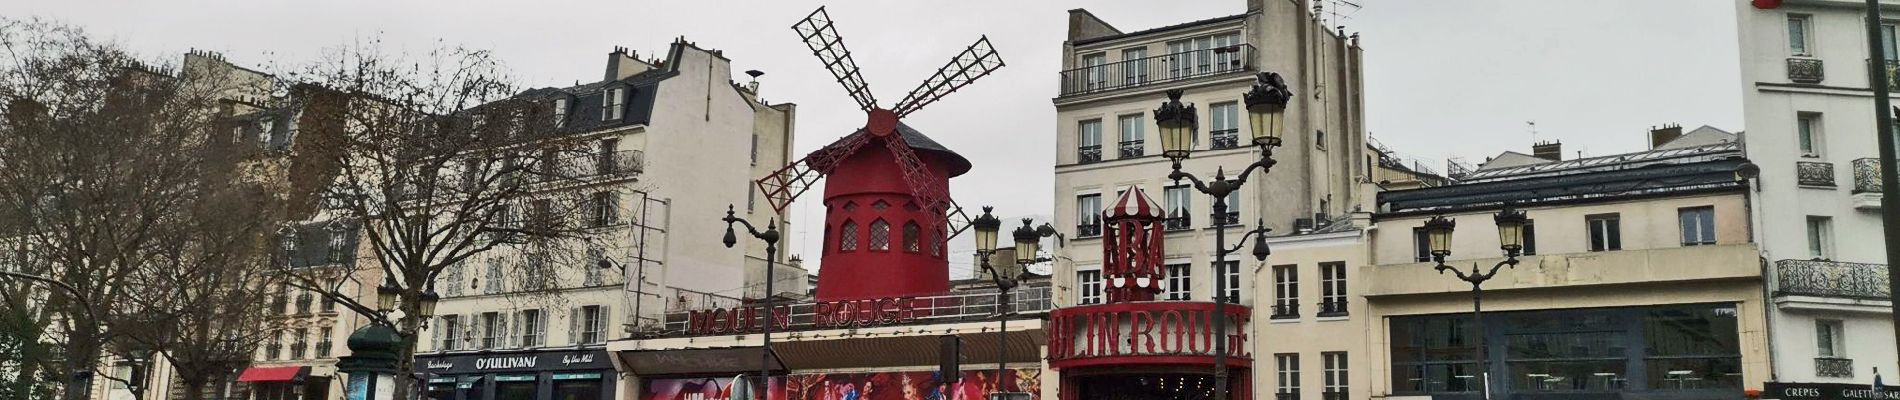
541, 328
606, 320
435, 333
574, 325
468, 331
505, 331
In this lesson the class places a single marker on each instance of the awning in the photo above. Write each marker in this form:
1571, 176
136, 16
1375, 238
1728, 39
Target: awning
274, 374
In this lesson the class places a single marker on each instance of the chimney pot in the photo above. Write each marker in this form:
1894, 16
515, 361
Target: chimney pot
1548, 150
1663, 135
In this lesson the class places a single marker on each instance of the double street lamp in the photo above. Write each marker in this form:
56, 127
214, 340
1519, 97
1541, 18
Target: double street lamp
1028, 243
1510, 222
770, 236
1266, 111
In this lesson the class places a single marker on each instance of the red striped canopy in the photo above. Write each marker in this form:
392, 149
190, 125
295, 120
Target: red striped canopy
1133, 203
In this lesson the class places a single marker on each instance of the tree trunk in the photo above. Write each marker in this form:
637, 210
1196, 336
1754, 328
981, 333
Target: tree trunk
194, 388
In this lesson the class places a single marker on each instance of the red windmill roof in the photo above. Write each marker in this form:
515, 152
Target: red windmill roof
1133, 203
917, 141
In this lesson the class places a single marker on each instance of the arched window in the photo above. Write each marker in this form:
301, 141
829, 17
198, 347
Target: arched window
936, 243
913, 237
880, 235
848, 236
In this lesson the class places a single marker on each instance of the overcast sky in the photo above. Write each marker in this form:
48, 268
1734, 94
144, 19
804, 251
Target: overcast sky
1443, 78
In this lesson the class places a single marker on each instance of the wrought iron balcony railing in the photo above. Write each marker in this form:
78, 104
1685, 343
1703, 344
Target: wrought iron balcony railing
1088, 154
1286, 310
1230, 218
1332, 307
1829, 367
1132, 148
1178, 222
1892, 72
1287, 395
1088, 230
1867, 175
1805, 70
1831, 279
1226, 139
1330, 395
1814, 173
1159, 69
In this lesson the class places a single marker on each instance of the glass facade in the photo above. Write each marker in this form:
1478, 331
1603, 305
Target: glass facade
1674, 351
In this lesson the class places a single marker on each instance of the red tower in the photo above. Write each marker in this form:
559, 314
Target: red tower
1132, 247
888, 214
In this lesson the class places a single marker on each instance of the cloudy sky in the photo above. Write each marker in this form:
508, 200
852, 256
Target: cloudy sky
1443, 78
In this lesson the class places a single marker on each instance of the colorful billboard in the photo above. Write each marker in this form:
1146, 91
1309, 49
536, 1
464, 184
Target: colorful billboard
896, 385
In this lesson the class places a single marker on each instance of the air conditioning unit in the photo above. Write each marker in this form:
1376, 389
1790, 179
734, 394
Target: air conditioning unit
1302, 225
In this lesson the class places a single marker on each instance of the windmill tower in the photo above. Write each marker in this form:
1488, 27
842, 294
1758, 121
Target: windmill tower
888, 214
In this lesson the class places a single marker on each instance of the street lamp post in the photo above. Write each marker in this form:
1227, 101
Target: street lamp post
1510, 224
1266, 109
1028, 242
770, 236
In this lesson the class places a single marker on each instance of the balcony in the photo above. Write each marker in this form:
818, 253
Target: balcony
1156, 70
1828, 367
959, 306
1178, 222
1088, 154
1822, 278
593, 166
1867, 186
1226, 139
1132, 148
1088, 230
1285, 310
1805, 70
1814, 173
1332, 308
1287, 395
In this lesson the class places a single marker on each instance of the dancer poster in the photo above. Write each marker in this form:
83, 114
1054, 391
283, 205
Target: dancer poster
896, 385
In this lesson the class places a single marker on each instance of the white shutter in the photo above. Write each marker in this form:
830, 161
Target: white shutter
541, 328
504, 341
435, 333
574, 325
606, 321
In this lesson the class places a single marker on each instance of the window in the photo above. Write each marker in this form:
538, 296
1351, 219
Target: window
452, 280
1098, 70
323, 341
541, 214
1334, 374
560, 113
1088, 287
936, 243
328, 304
492, 331
1088, 215
494, 277
1887, 43
1232, 216
1286, 291
591, 322
880, 235
273, 349
1134, 68
848, 236
1421, 245
605, 162
1530, 237
1807, 129
1180, 203
1606, 232
1232, 274
1828, 341
1798, 28
612, 104
597, 263
755, 148
1203, 55
1698, 225
1319, 139
1286, 366
289, 245
339, 245
1224, 125
533, 327
1820, 237
1088, 141
1332, 289
303, 302
300, 342
606, 209
913, 237
1132, 144
446, 332
1180, 282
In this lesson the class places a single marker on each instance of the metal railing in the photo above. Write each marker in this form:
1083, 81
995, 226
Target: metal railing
1131, 149
1892, 68
1867, 175
1230, 218
1814, 173
1226, 139
1178, 222
1088, 154
1829, 367
972, 305
1088, 230
592, 166
683, 300
1164, 68
1831, 279
1287, 395
1805, 70
1289, 309
1332, 307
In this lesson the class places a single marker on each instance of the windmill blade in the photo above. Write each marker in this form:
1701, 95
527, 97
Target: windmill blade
917, 176
817, 32
786, 184
957, 219
974, 62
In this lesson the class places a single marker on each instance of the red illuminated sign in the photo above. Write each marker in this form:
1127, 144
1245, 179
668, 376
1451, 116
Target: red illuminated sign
818, 315
1160, 332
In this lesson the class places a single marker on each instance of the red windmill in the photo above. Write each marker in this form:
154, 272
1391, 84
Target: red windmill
888, 213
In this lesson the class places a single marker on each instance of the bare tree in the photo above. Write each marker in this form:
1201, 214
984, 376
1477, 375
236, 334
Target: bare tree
443, 162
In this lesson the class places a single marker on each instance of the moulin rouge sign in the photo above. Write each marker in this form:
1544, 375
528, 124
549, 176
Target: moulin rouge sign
822, 315
1091, 335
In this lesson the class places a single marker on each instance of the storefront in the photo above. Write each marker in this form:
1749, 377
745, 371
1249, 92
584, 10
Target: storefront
294, 382
1663, 352
565, 374
1147, 350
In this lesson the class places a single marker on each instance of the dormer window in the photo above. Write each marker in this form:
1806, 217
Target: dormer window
560, 113
611, 103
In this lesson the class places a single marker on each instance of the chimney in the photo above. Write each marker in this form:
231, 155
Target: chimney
622, 63
1550, 150
1663, 135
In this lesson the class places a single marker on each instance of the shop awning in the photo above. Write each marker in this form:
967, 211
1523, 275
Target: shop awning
274, 374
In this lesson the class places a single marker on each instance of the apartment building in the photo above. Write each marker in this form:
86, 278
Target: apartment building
1809, 109
1639, 278
665, 135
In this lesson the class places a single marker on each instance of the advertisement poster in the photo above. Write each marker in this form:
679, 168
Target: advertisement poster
911, 385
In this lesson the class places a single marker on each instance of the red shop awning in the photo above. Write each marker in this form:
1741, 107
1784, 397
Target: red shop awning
274, 374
